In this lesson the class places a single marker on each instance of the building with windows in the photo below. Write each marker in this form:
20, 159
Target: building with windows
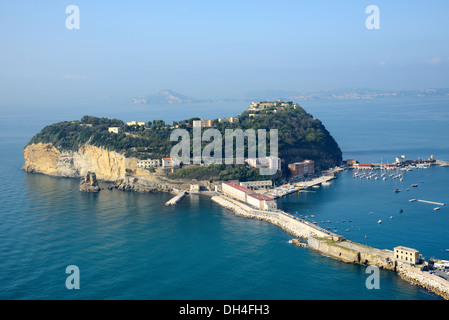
170, 162
135, 123
302, 169
363, 166
254, 185
261, 201
203, 123
265, 162
241, 193
145, 164
407, 255
235, 190
229, 120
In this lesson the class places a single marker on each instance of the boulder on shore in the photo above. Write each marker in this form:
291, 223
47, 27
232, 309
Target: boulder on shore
89, 183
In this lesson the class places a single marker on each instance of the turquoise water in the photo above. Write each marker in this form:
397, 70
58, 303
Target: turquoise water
128, 245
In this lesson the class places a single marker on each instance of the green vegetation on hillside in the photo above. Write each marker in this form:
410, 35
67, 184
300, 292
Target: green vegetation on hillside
221, 172
300, 137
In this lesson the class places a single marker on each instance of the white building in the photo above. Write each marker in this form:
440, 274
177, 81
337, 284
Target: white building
265, 162
170, 162
113, 129
400, 159
235, 191
148, 163
261, 201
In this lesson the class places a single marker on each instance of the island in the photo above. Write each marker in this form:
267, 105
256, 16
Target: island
135, 156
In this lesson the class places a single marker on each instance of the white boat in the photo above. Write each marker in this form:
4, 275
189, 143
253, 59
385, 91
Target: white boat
379, 222
412, 200
437, 208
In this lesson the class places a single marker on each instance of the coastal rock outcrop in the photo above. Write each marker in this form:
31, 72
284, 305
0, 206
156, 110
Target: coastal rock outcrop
90, 183
107, 165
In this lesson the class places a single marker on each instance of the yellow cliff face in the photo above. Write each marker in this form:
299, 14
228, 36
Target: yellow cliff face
107, 165
41, 158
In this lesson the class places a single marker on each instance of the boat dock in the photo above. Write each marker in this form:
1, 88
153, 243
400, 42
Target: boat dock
298, 186
173, 201
431, 202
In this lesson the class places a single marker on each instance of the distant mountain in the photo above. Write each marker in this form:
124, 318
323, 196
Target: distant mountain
342, 94
166, 96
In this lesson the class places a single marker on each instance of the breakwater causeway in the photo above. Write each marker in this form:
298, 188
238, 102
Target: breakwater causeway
336, 246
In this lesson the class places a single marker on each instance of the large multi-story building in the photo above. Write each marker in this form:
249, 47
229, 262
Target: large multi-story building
261, 201
235, 190
407, 255
241, 193
301, 169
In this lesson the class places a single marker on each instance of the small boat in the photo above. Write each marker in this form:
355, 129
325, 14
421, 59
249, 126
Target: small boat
397, 190
379, 222
412, 200
414, 185
407, 189
437, 208
371, 212
447, 250
400, 210
347, 230
391, 217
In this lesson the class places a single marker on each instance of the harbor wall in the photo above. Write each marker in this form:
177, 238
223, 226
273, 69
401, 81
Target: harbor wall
294, 227
350, 252
428, 281
343, 254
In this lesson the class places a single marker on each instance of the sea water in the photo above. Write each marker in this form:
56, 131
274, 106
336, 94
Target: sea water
128, 245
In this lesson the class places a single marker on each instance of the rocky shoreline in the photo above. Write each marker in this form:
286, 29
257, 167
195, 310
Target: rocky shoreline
430, 282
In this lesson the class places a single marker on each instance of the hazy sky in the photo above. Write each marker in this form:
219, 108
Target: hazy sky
211, 49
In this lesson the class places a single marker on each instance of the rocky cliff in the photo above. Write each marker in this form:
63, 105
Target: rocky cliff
107, 165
